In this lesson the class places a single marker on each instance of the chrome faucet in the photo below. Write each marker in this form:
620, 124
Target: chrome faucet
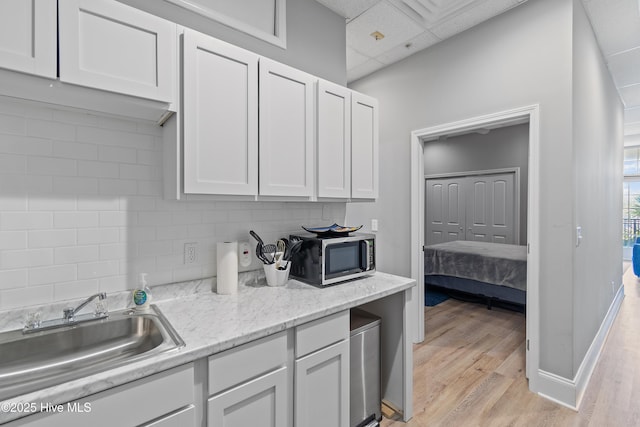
69, 316
69, 313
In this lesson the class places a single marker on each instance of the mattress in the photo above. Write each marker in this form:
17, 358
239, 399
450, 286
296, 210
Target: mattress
493, 263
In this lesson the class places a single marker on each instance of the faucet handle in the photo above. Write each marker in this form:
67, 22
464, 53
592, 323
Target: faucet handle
101, 309
33, 320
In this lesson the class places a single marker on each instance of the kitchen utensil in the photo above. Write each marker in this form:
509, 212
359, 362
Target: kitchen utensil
260, 255
255, 236
269, 252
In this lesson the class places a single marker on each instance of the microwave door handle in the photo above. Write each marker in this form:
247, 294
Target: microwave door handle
367, 254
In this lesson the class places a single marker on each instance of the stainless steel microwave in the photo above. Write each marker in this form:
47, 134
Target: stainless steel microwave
323, 261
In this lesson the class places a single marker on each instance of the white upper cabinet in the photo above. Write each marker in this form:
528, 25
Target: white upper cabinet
334, 140
107, 45
220, 117
28, 38
286, 130
364, 146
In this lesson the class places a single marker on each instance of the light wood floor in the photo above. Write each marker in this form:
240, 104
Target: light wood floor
469, 371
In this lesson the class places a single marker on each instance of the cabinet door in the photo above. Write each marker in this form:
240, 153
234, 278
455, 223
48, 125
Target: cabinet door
334, 140
286, 130
261, 402
220, 117
364, 146
107, 45
28, 36
322, 388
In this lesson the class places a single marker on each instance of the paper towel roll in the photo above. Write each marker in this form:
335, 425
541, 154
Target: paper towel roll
227, 259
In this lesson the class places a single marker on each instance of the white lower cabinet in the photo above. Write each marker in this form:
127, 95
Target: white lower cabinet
321, 396
165, 399
322, 388
260, 402
249, 385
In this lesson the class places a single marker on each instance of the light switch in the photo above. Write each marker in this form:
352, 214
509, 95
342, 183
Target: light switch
374, 225
578, 236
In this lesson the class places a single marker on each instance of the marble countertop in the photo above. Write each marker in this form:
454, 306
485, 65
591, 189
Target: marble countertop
210, 323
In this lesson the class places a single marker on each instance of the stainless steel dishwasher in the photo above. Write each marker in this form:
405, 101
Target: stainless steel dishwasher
365, 370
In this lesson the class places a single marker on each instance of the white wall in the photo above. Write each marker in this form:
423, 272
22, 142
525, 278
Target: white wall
506, 147
315, 36
519, 58
598, 157
81, 209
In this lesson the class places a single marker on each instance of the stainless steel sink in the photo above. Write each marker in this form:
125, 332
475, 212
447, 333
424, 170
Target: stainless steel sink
29, 362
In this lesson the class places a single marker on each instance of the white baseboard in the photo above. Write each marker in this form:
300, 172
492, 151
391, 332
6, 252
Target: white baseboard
568, 392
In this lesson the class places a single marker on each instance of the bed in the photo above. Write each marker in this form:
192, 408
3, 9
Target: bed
493, 271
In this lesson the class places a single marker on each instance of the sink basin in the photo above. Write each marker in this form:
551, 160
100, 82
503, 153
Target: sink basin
29, 362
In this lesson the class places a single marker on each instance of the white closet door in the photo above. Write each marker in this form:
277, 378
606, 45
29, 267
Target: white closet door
479, 207
28, 36
286, 130
334, 140
445, 210
490, 208
220, 117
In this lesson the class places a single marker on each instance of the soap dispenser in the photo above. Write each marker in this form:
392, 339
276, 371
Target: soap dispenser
142, 295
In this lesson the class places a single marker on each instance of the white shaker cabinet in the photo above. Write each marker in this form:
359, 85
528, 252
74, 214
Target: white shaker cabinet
220, 117
322, 372
364, 146
286, 130
249, 385
28, 36
107, 45
334, 140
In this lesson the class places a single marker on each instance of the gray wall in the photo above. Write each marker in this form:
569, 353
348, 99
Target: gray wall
315, 36
519, 58
598, 156
506, 147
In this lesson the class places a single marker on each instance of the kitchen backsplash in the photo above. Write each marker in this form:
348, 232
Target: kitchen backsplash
81, 209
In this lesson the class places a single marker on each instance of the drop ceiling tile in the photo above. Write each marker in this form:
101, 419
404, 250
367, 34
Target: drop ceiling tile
471, 16
616, 24
396, 27
401, 51
630, 96
625, 67
348, 9
355, 58
631, 129
364, 69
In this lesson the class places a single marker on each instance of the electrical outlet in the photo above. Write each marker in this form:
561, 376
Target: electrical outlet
190, 253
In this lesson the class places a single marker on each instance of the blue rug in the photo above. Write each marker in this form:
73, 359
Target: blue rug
433, 298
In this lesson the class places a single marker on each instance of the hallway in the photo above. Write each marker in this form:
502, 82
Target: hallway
469, 371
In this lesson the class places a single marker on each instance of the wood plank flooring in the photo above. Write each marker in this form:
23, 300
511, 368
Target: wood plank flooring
469, 371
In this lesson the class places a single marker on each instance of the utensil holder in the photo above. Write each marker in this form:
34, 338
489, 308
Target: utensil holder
276, 277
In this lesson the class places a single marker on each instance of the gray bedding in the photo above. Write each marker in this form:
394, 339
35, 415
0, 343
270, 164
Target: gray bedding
494, 263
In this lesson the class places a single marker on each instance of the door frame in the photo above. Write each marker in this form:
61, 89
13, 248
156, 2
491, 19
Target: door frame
530, 114
516, 190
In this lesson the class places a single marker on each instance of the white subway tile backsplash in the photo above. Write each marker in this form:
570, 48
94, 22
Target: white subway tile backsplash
52, 238
73, 185
93, 270
13, 240
25, 220
11, 163
98, 169
117, 154
25, 258
75, 254
76, 219
10, 279
82, 209
52, 274
75, 150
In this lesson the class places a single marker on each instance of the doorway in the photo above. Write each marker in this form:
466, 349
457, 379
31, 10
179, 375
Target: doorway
528, 114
